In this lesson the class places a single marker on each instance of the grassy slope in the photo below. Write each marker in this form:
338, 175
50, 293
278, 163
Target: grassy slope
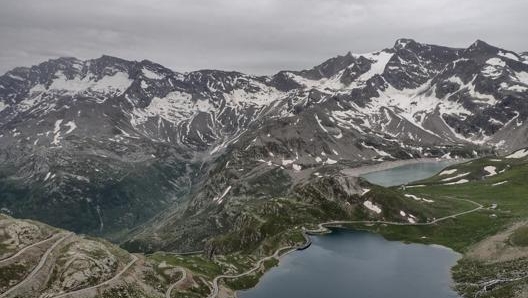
462, 232
271, 224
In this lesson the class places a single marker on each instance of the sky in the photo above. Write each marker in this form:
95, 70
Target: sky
251, 36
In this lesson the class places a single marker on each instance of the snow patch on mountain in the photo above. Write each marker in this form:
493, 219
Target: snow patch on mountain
522, 76
260, 95
332, 83
72, 126
494, 67
518, 154
15, 77
330, 161
219, 199
56, 133
379, 62
413, 104
174, 107
508, 55
320, 123
513, 87
116, 83
378, 151
151, 74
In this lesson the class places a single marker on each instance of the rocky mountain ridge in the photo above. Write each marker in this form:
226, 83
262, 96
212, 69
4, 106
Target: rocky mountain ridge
103, 146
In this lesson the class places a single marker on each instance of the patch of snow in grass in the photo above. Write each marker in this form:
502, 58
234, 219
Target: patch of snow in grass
418, 198
492, 171
369, 205
414, 186
461, 181
499, 183
455, 177
413, 197
448, 172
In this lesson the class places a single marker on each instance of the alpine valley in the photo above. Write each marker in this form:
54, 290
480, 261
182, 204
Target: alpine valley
236, 169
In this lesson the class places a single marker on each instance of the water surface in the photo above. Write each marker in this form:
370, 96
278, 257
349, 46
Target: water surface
406, 173
354, 264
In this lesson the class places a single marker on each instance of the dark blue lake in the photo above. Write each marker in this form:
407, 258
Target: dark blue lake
355, 264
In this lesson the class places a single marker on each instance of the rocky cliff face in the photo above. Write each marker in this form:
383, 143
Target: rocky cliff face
102, 146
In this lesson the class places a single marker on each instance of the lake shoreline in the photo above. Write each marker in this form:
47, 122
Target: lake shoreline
356, 172
338, 229
386, 165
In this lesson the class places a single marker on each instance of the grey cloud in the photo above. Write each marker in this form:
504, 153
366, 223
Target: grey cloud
258, 36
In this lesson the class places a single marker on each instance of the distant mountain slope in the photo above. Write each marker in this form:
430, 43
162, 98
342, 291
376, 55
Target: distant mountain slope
102, 146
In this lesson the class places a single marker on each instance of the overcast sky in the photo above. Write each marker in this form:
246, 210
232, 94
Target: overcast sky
252, 36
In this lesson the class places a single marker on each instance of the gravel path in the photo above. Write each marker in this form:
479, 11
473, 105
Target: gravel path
25, 249
104, 283
184, 276
37, 268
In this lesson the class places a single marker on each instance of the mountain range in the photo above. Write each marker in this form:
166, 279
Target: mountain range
156, 159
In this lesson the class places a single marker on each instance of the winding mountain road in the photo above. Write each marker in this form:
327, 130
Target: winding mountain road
25, 249
134, 259
41, 263
322, 227
182, 278
276, 255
